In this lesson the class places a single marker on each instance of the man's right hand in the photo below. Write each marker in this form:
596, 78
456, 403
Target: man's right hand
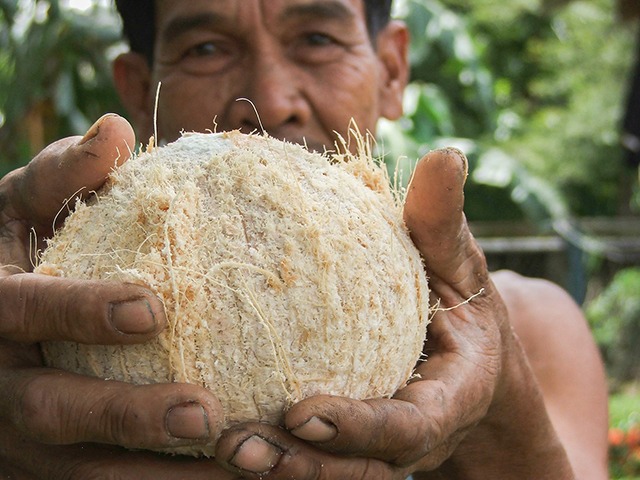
52, 421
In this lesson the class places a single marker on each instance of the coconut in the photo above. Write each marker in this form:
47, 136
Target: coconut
283, 273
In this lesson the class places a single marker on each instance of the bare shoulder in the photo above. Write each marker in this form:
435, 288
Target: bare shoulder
557, 341
548, 322
535, 302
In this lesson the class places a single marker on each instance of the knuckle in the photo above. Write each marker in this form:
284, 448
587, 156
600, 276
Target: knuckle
28, 315
316, 471
53, 413
51, 309
424, 437
370, 469
436, 458
403, 441
13, 313
9, 190
441, 448
121, 422
365, 471
38, 410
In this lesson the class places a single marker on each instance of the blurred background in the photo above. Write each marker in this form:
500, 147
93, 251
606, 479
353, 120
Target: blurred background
542, 95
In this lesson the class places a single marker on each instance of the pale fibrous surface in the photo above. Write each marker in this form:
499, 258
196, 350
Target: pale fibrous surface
283, 273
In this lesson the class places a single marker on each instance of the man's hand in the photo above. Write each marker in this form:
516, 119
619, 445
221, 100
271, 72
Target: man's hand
474, 400
474, 411
49, 416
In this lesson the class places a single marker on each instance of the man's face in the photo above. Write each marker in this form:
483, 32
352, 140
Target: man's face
307, 66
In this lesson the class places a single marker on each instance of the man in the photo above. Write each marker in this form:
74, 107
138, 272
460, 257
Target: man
512, 389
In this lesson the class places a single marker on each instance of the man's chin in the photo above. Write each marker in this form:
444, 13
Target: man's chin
310, 144
314, 146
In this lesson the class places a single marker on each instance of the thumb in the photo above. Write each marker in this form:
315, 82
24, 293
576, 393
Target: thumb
433, 213
68, 168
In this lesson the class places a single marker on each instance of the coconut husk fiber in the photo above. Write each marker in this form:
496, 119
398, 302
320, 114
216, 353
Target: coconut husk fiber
283, 273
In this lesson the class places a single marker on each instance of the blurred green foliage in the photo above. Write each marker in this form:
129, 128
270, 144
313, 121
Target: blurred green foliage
624, 435
532, 92
624, 409
55, 73
614, 317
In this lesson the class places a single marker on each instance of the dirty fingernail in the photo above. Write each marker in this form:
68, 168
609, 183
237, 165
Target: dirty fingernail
133, 317
461, 156
187, 420
256, 455
95, 128
316, 430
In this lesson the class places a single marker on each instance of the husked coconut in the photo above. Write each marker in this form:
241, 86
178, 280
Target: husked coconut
284, 273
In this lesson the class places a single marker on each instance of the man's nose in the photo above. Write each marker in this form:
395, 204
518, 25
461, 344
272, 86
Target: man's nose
273, 97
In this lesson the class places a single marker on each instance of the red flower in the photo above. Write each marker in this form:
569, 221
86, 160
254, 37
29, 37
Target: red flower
616, 436
633, 437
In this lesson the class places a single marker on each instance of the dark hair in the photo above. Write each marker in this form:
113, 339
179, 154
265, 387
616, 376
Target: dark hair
138, 25
138, 20
378, 14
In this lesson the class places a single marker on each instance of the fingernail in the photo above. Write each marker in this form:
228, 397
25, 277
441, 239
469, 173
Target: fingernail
256, 455
463, 158
133, 317
316, 430
95, 128
187, 420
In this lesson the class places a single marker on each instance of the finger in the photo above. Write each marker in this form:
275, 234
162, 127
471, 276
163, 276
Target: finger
385, 429
80, 462
420, 426
265, 452
39, 307
33, 198
59, 408
433, 212
392, 430
72, 167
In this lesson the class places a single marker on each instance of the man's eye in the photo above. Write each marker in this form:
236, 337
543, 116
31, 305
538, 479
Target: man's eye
203, 50
319, 39
207, 57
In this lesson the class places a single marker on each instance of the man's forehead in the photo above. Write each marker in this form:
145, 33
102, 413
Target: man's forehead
265, 7
264, 2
